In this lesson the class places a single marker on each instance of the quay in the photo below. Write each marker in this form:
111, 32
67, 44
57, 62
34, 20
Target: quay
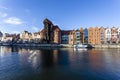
108, 46
103, 46
40, 45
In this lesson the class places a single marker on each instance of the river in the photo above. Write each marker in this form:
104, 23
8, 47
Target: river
59, 64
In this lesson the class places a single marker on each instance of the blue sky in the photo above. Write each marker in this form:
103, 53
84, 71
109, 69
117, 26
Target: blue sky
19, 15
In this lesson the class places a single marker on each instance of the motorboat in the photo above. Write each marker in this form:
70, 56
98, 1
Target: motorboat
81, 46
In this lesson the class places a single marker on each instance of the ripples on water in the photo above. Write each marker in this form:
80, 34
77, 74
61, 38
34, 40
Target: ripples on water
59, 64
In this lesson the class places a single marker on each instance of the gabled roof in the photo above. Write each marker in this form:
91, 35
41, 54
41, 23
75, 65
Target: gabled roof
42, 31
36, 33
55, 27
47, 21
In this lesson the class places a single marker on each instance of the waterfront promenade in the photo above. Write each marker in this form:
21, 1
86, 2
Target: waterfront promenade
107, 46
61, 45
39, 45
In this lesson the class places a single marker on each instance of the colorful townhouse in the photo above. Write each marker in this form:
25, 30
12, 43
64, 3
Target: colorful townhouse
1, 35
85, 36
93, 35
25, 36
53, 34
82, 35
114, 35
102, 35
65, 36
76, 36
108, 35
118, 35
70, 36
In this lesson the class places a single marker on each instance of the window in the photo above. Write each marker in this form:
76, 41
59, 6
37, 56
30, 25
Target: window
108, 32
78, 36
77, 33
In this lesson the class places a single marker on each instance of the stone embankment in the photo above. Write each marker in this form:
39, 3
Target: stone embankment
106, 46
40, 45
61, 45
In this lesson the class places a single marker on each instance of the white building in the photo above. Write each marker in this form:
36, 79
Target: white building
36, 37
7, 37
25, 36
108, 35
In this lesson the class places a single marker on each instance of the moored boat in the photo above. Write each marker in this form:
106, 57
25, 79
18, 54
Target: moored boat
80, 46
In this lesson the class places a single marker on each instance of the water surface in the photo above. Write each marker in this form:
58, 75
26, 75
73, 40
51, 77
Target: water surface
59, 64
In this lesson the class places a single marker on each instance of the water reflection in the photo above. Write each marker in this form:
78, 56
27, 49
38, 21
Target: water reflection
43, 64
4, 50
47, 58
63, 57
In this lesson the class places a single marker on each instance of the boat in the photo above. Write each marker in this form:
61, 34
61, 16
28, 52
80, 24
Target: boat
81, 46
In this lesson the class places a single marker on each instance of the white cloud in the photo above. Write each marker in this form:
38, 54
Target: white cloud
35, 28
13, 21
3, 7
3, 14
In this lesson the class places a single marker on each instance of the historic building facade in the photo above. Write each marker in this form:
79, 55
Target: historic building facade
97, 35
118, 35
57, 34
1, 35
78, 41
65, 36
82, 35
51, 33
48, 34
42, 36
8, 37
102, 35
70, 36
36, 37
90, 35
108, 35
76, 36
93, 35
85, 35
114, 35
25, 36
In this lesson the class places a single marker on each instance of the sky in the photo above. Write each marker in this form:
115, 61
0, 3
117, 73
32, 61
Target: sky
19, 15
